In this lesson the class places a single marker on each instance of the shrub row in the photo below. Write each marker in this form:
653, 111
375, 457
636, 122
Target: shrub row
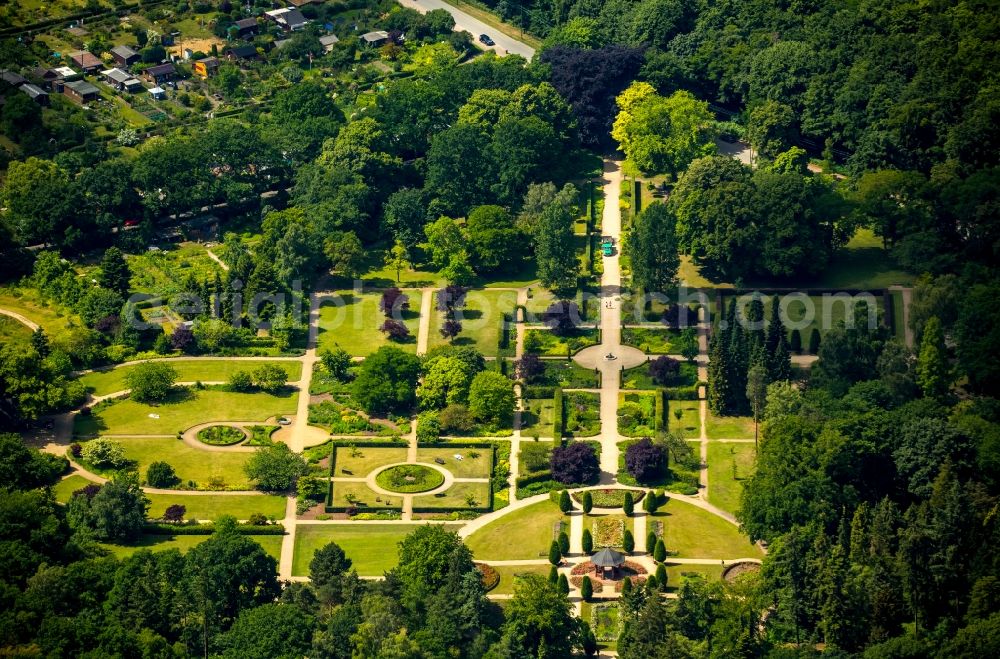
682, 393
659, 409
558, 410
537, 393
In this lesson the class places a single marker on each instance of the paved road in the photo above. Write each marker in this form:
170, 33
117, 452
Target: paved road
504, 44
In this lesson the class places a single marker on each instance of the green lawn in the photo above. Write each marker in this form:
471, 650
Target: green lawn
508, 574
240, 506
822, 312
364, 496
270, 543
480, 466
26, 302
689, 425
729, 427
64, 489
481, 318
13, 331
565, 374
522, 534
362, 460
723, 490
456, 496
163, 272
353, 323
372, 547
676, 573
189, 463
691, 532
638, 377
537, 419
109, 381
186, 408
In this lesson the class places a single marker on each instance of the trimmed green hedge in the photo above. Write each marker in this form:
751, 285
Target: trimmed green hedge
558, 411
682, 393
659, 409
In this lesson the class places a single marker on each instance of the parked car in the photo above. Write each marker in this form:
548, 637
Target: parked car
485, 38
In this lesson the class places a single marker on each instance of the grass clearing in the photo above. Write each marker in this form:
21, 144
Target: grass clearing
537, 419
475, 462
359, 461
520, 535
458, 495
27, 303
373, 548
509, 574
480, 318
547, 344
729, 427
690, 532
723, 458
186, 408
224, 470
240, 506
270, 543
351, 320
651, 341
64, 489
690, 421
13, 332
108, 381
362, 496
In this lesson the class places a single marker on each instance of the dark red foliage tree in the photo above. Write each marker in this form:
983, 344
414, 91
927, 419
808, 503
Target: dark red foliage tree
451, 297
108, 325
396, 330
575, 463
645, 460
183, 339
394, 303
663, 369
589, 80
562, 317
529, 367
174, 513
451, 328
89, 491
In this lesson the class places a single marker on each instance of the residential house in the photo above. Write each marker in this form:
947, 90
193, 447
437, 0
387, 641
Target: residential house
206, 67
80, 91
290, 20
328, 41
246, 27
376, 38
35, 93
87, 61
160, 73
124, 56
241, 54
122, 80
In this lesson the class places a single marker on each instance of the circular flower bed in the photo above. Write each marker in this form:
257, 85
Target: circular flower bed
732, 572
221, 435
408, 479
491, 578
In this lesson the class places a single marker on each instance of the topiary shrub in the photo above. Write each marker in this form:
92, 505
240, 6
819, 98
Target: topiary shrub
587, 542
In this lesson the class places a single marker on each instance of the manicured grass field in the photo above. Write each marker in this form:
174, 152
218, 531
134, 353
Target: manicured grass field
186, 408
676, 573
690, 423
639, 377
456, 496
64, 489
468, 467
537, 419
352, 322
508, 573
480, 318
101, 383
691, 532
270, 543
723, 490
362, 460
545, 343
240, 506
522, 534
372, 547
729, 427
566, 374
363, 495
190, 463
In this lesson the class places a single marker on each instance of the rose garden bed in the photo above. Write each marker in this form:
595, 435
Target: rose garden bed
221, 435
610, 498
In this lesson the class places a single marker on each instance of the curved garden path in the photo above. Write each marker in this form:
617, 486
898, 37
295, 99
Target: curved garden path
30, 324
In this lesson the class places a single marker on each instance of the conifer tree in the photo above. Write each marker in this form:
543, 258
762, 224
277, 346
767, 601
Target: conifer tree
555, 555
933, 369
661, 576
563, 584
587, 541
718, 372
586, 589
115, 273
